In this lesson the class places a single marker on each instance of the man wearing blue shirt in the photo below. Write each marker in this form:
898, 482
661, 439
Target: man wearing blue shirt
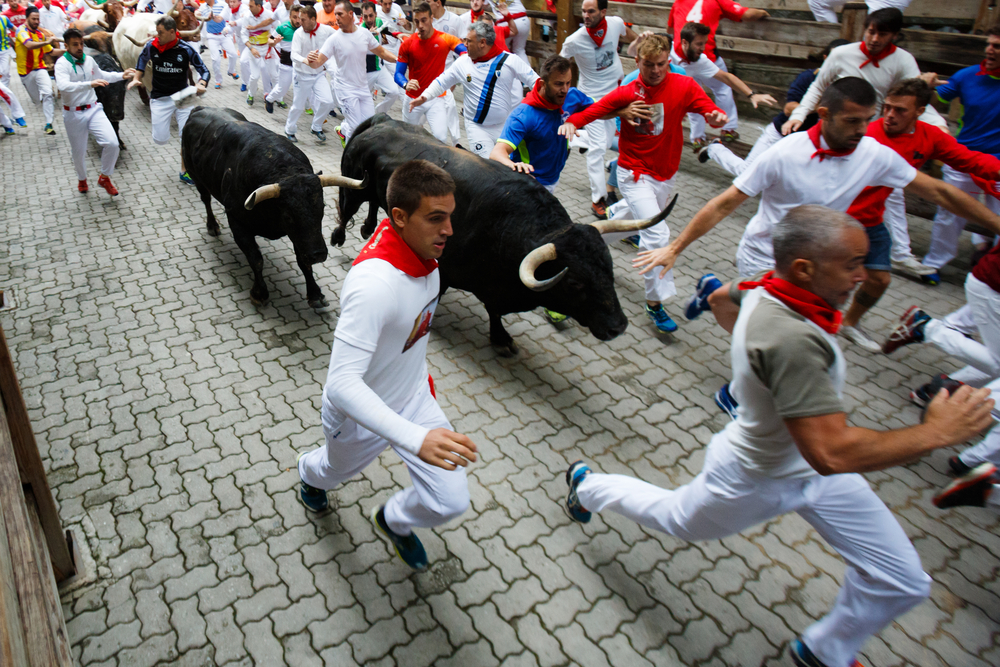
979, 88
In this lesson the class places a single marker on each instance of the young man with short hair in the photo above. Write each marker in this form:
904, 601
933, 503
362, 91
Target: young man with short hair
486, 74
31, 46
650, 150
424, 54
171, 59
309, 83
255, 24
83, 116
378, 392
791, 449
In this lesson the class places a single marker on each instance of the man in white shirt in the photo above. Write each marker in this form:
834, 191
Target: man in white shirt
349, 47
53, 19
379, 77
393, 17
219, 43
255, 22
791, 449
877, 60
486, 73
309, 83
689, 54
515, 16
234, 40
76, 77
378, 392
829, 165
448, 22
284, 32
826, 10
594, 48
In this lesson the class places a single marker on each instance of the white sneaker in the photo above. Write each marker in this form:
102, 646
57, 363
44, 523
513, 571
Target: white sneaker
859, 338
911, 266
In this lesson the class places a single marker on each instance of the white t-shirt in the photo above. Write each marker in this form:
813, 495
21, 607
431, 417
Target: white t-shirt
258, 36
303, 44
392, 21
600, 68
449, 23
53, 19
786, 175
703, 68
349, 50
387, 313
280, 15
479, 77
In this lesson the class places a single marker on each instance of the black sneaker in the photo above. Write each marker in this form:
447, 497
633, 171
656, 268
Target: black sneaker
970, 490
924, 394
320, 135
408, 547
268, 106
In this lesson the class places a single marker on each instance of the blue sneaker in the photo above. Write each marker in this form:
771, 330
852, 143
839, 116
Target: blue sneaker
291, 138
320, 135
576, 473
48, 129
661, 319
313, 498
632, 241
803, 657
243, 87
910, 329
268, 106
186, 178
724, 399
8, 130
932, 279
408, 547
698, 303
20, 121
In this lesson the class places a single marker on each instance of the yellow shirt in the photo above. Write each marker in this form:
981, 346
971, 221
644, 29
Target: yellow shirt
28, 60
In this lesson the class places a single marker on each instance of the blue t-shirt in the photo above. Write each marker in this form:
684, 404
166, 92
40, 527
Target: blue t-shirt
216, 27
531, 132
796, 92
980, 122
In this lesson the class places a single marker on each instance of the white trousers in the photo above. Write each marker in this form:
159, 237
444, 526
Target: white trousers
283, 83
262, 69
6, 58
13, 106
482, 138
381, 81
735, 165
948, 226
723, 99
437, 495
825, 11
39, 87
883, 577
899, 227
304, 88
80, 125
217, 45
646, 197
600, 135
161, 110
518, 41
357, 106
435, 113
454, 128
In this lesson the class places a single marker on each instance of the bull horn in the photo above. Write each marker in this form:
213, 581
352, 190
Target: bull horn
271, 191
609, 226
192, 33
344, 182
104, 25
139, 44
92, 5
532, 261
130, 4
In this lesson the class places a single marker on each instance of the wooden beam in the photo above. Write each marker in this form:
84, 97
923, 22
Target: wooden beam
639, 14
806, 33
781, 49
540, 49
12, 650
29, 464
565, 23
56, 624
852, 21
953, 9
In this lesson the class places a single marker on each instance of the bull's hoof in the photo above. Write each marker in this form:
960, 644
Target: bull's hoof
506, 350
367, 231
319, 304
338, 237
121, 146
213, 230
258, 302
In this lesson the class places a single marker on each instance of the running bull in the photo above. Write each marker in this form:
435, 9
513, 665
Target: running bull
267, 187
513, 246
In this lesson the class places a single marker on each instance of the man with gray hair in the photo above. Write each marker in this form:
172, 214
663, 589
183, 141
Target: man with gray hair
486, 73
791, 449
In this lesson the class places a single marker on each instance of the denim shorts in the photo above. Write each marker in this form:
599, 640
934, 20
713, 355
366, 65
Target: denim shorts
879, 248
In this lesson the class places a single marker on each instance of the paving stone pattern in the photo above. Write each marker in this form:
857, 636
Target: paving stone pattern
169, 411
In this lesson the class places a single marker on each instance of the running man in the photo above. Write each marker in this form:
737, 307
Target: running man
309, 83
393, 17
286, 31
378, 393
379, 78
219, 43
31, 46
486, 73
791, 448
424, 54
171, 59
83, 116
255, 26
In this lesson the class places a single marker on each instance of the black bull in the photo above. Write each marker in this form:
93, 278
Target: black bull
267, 187
500, 218
112, 96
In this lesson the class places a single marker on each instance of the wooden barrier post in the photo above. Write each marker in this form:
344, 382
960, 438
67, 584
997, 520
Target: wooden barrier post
565, 25
852, 21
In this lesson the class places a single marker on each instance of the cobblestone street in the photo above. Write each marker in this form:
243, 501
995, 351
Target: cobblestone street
169, 411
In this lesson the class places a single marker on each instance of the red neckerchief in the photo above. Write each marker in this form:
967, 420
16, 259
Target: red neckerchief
494, 51
597, 34
476, 15
988, 72
989, 187
883, 54
387, 244
537, 100
164, 47
803, 302
815, 132
679, 52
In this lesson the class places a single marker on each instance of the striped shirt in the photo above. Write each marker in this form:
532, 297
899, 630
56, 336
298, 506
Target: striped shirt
6, 33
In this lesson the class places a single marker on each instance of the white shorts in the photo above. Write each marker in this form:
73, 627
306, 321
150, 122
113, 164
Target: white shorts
161, 110
482, 138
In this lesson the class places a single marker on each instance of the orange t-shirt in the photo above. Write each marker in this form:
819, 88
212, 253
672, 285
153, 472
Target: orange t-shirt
324, 18
426, 58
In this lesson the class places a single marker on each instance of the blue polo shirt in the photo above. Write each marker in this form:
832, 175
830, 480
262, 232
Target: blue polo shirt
531, 132
980, 122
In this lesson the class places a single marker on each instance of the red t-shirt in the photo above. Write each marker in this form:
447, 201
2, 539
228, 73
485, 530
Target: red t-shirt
706, 12
987, 269
925, 143
426, 58
17, 17
653, 148
503, 34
